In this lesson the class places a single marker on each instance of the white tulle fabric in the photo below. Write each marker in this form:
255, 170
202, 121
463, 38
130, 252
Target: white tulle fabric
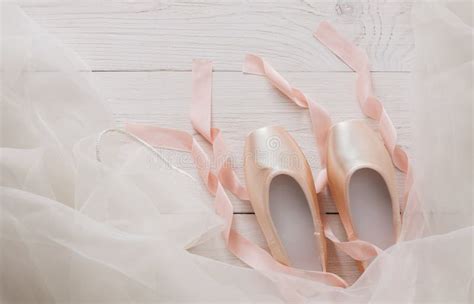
75, 229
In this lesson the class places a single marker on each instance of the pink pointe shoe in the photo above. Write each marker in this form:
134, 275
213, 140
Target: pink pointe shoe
282, 193
362, 182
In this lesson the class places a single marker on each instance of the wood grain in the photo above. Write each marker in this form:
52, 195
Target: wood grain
242, 103
167, 35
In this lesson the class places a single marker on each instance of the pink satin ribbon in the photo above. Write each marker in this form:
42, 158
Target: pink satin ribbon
371, 106
357, 59
225, 178
320, 119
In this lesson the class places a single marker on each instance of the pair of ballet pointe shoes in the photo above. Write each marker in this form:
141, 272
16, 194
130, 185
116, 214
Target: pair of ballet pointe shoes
361, 180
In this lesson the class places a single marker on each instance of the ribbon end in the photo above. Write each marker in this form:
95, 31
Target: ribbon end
253, 64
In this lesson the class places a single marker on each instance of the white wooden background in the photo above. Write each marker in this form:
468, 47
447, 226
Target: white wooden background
141, 52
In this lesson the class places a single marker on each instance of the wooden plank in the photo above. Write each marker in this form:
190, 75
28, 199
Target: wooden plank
156, 35
243, 103
338, 262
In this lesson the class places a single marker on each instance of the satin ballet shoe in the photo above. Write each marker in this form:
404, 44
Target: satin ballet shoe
361, 180
281, 190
